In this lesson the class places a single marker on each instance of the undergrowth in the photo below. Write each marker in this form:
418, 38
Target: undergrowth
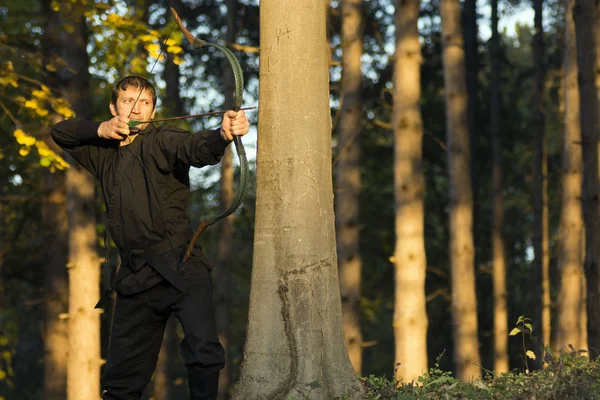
568, 376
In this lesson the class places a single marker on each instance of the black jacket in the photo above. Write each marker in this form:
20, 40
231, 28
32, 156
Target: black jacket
145, 184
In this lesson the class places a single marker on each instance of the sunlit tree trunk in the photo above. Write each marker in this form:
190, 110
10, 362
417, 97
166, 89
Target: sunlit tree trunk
410, 314
348, 178
83, 368
499, 256
464, 302
295, 340
572, 233
586, 16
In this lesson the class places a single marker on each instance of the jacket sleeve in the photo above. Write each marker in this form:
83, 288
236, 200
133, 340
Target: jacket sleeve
80, 139
181, 148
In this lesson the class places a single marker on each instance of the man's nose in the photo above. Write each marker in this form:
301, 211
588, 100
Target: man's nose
136, 108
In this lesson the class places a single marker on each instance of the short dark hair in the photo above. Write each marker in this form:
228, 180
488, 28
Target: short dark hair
137, 82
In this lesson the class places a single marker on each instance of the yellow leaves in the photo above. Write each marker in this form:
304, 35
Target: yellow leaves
23, 138
8, 75
62, 107
55, 4
153, 49
116, 21
530, 354
48, 158
35, 105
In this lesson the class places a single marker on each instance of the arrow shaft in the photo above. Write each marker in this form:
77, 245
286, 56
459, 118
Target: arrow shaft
134, 123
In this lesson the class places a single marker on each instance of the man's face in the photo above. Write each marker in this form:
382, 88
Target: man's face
142, 110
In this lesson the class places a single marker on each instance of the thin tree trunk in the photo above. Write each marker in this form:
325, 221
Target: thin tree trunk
348, 178
499, 256
585, 13
295, 340
570, 262
410, 314
472, 69
83, 369
464, 302
540, 278
55, 231
223, 283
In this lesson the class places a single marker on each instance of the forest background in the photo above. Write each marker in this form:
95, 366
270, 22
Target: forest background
53, 51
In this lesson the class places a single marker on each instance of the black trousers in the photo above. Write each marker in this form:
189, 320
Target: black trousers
137, 332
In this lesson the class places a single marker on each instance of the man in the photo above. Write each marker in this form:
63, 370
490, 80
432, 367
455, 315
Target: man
144, 179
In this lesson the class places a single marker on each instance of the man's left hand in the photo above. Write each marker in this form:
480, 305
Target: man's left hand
234, 124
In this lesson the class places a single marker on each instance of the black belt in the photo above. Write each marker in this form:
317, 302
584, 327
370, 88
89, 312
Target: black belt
160, 257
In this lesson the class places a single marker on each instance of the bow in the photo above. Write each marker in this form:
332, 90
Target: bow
241, 152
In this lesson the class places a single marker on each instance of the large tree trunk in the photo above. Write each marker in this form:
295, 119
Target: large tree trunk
572, 233
295, 340
499, 256
410, 263
540, 279
55, 231
83, 369
348, 178
587, 27
464, 302
223, 282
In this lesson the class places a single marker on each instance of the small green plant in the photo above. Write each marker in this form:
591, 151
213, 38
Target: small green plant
523, 326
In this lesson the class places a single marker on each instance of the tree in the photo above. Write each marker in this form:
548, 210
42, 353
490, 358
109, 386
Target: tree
55, 232
83, 368
587, 29
410, 263
295, 341
499, 256
570, 297
464, 303
348, 183
540, 279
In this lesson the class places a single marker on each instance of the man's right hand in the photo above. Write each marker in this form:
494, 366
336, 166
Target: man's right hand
115, 128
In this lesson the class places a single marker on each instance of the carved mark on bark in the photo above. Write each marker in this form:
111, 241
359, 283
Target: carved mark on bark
287, 384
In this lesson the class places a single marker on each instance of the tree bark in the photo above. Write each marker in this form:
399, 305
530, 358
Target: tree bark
472, 69
587, 29
295, 341
540, 277
410, 263
570, 261
55, 231
348, 178
464, 303
83, 368
498, 246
